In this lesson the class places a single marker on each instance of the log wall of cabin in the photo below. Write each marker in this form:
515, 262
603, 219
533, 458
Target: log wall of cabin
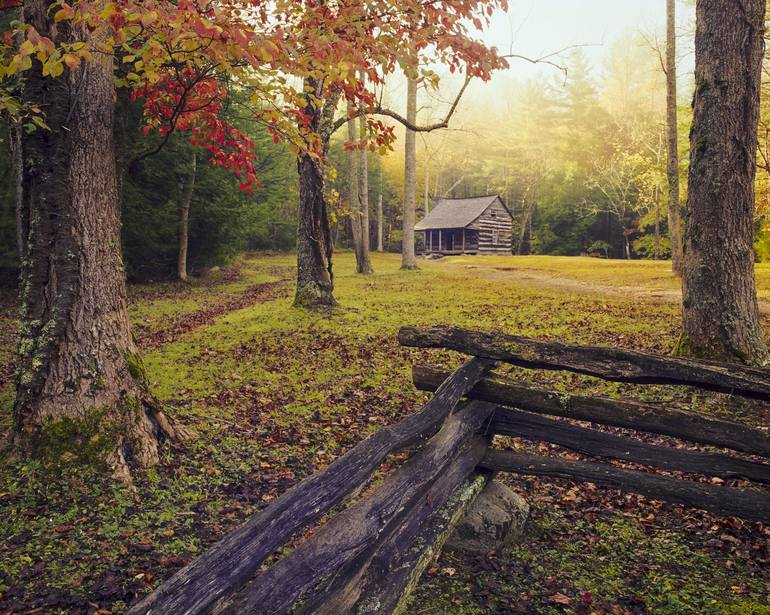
495, 229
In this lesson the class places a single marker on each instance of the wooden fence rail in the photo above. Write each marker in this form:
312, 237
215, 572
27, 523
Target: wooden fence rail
367, 557
617, 413
607, 363
720, 500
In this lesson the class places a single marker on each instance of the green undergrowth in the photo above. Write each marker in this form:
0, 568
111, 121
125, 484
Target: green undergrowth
613, 564
271, 393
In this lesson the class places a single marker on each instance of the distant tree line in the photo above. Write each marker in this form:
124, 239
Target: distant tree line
223, 220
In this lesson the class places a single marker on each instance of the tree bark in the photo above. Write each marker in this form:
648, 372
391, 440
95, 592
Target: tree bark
354, 202
657, 225
379, 220
721, 315
524, 231
315, 279
425, 191
672, 166
408, 260
364, 264
14, 133
184, 214
80, 385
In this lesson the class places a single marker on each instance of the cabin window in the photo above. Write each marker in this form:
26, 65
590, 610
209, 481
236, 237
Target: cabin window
493, 214
495, 236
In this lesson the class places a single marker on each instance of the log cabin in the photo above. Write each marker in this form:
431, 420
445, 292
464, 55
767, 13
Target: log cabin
475, 225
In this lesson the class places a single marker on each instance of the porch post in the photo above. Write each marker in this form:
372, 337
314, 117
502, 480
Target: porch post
463, 240
440, 246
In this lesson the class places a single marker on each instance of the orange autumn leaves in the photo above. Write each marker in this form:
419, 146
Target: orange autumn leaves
192, 51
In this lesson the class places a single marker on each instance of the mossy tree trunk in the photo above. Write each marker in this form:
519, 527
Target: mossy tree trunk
77, 363
721, 315
315, 279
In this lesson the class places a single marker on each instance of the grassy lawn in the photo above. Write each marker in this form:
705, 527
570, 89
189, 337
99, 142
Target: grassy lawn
273, 393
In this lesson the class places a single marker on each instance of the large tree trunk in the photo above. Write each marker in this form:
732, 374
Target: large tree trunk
315, 280
721, 316
80, 385
364, 264
672, 167
408, 260
184, 216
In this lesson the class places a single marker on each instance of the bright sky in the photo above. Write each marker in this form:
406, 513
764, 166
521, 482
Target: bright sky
535, 28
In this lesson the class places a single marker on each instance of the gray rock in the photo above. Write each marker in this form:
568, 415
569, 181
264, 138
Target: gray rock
494, 521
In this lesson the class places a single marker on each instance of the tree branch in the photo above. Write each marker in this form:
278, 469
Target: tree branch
401, 119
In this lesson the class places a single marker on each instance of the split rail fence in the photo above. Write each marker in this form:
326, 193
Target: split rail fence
368, 557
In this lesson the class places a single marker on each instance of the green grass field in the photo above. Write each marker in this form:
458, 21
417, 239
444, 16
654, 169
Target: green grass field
273, 393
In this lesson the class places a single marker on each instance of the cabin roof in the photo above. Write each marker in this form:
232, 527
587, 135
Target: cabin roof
455, 213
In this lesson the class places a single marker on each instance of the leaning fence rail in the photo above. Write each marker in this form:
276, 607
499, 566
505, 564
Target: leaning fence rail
226, 567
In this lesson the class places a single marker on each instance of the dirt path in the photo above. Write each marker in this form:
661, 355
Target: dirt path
548, 281
149, 338
189, 321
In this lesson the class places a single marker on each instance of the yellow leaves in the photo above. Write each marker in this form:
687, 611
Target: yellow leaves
53, 66
66, 12
149, 18
71, 60
18, 63
108, 11
264, 54
26, 48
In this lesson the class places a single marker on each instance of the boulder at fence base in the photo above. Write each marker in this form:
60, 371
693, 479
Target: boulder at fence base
494, 521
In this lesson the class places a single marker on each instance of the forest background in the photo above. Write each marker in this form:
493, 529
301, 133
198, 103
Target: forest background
575, 145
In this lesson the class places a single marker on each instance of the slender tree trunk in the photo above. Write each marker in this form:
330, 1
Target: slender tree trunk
379, 214
721, 315
672, 167
315, 278
80, 385
365, 262
657, 225
408, 260
184, 215
425, 195
353, 186
525, 227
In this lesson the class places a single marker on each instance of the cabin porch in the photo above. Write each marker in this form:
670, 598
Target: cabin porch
451, 241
